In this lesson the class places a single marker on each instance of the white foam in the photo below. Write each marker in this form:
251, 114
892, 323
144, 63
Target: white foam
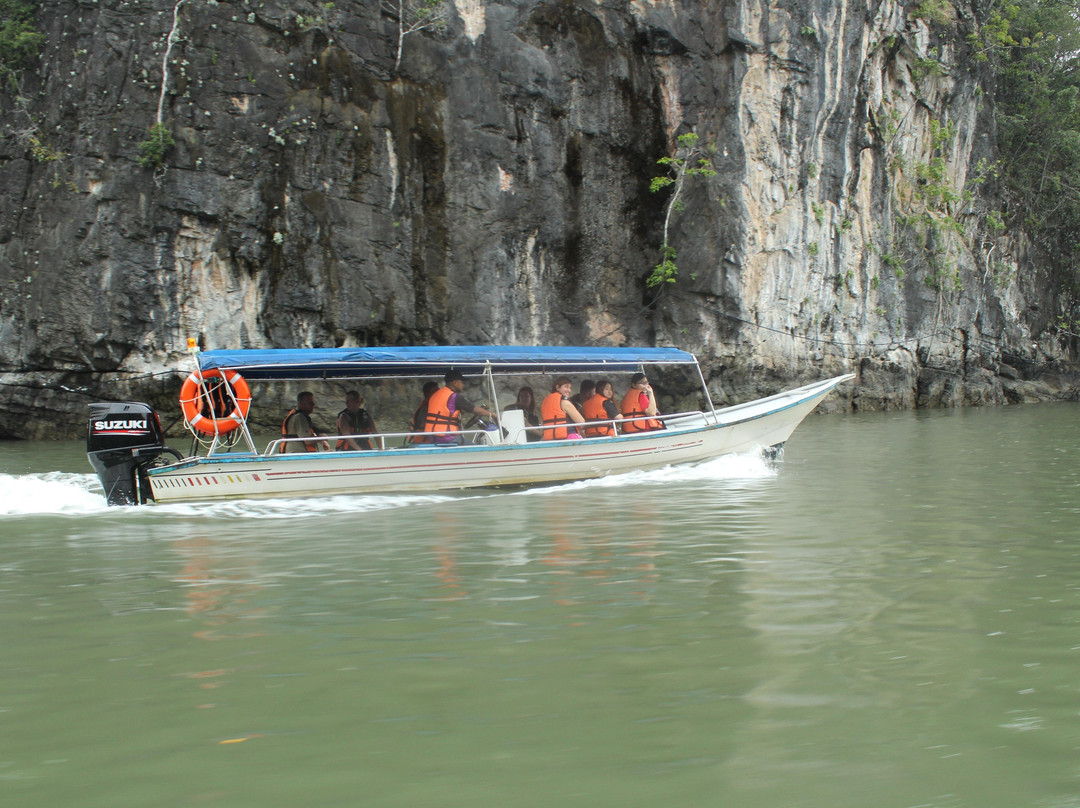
299, 507
729, 468
67, 493
53, 492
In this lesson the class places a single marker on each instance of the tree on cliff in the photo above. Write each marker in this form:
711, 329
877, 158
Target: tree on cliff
1037, 69
412, 16
689, 160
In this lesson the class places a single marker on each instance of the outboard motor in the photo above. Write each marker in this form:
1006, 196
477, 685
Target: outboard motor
123, 440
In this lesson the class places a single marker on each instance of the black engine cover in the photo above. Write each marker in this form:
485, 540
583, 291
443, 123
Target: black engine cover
123, 438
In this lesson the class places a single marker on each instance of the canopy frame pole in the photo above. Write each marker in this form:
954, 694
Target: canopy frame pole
243, 426
216, 442
494, 393
705, 387
247, 436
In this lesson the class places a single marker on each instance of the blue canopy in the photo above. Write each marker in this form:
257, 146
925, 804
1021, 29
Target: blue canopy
469, 360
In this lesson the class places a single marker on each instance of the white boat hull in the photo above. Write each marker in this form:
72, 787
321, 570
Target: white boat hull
691, 438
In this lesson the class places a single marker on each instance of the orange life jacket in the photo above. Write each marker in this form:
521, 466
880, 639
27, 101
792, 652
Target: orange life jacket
215, 402
594, 411
310, 447
438, 417
551, 412
631, 408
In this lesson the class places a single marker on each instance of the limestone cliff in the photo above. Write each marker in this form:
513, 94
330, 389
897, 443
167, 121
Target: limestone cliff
488, 182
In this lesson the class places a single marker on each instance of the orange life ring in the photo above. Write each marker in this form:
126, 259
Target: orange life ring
195, 399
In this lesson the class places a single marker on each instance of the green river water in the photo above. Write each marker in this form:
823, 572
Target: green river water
890, 616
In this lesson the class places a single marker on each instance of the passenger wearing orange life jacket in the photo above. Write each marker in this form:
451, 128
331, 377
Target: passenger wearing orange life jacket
444, 409
556, 411
638, 402
297, 424
601, 407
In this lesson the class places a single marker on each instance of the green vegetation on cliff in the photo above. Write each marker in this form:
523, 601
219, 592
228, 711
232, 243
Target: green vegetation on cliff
20, 41
1037, 67
153, 150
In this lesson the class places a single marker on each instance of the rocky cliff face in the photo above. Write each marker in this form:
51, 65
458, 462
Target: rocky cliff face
493, 186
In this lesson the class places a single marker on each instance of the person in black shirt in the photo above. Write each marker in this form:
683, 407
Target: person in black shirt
354, 420
584, 393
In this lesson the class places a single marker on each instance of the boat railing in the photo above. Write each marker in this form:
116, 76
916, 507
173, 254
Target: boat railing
380, 440
608, 424
617, 427
328, 442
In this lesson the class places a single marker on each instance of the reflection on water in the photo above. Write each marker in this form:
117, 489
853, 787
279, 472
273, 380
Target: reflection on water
890, 611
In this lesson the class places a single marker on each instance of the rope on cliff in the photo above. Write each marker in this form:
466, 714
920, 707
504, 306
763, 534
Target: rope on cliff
985, 342
789, 334
83, 390
169, 42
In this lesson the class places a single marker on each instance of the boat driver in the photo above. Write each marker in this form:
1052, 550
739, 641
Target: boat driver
445, 407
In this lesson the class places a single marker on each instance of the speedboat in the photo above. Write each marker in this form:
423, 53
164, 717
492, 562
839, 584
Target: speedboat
126, 445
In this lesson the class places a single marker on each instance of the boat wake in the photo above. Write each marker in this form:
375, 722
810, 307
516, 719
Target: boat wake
54, 492
732, 469
64, 493
298, 507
